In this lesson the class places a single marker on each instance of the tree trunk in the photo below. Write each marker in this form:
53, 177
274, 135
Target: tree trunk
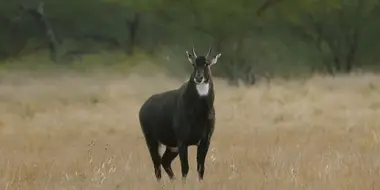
133, 26
43, 22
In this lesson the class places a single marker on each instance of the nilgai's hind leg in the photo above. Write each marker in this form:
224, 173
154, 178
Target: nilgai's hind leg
167, 159
154, 154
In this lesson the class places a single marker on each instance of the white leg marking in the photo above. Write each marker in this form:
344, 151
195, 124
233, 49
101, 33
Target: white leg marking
161, 148
203, 89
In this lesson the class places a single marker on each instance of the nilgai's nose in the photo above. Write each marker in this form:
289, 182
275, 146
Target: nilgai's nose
198, 79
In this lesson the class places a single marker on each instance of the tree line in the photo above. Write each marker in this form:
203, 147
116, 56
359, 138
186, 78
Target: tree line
258, 38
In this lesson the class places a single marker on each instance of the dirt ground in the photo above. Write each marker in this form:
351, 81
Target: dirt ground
82, 132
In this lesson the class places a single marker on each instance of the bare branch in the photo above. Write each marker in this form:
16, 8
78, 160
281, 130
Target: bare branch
43, 22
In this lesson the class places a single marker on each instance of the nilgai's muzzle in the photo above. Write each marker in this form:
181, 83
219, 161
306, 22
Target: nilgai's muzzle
198, 79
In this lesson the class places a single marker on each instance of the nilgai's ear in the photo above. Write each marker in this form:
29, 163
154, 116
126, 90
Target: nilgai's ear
215, 59
190, 57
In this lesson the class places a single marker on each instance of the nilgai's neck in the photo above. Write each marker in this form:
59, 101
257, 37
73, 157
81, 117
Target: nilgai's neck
199, 94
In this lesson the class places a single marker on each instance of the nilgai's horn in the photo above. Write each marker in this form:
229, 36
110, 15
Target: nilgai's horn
195, 55
209, 51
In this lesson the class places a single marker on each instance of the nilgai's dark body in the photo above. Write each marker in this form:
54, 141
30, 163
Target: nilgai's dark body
158, 115
180, 118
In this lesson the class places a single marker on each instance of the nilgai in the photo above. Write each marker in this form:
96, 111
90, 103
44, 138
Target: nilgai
181, 117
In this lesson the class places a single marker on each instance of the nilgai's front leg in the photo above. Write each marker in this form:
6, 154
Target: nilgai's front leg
182, 130
204, 145
201, 156
183, 149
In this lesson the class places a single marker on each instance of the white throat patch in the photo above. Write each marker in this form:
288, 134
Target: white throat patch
203, 89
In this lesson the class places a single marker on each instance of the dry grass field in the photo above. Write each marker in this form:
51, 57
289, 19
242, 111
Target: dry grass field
82, 132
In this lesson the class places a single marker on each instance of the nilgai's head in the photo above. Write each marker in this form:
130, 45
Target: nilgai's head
201, 66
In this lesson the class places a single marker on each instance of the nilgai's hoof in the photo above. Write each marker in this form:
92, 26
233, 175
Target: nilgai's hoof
184, 180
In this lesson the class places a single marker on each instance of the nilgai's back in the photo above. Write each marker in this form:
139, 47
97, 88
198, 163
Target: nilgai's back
156, 117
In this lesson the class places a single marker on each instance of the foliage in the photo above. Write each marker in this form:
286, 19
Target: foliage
258, 38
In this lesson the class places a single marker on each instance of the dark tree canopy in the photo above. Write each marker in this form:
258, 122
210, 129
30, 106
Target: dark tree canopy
258, 38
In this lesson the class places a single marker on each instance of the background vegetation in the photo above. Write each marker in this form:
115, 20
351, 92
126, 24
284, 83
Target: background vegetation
258, 38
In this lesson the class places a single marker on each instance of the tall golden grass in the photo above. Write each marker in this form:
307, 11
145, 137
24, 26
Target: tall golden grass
82, 132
